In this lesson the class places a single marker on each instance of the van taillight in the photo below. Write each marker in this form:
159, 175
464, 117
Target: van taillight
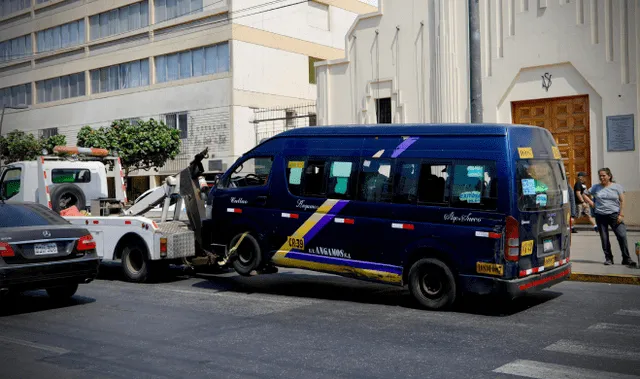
512, 240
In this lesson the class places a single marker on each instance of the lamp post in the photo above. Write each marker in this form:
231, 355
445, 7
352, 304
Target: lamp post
20, 106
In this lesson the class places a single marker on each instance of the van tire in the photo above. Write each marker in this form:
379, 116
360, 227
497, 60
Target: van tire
66, 195
432, 284
135, 263
248, 256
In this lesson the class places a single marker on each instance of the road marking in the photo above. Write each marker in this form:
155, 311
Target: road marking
581, 348
51, 349
617, 328
541, 370
629, 312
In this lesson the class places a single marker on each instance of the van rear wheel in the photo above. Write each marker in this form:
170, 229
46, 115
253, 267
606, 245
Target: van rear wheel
432, 284
248, 255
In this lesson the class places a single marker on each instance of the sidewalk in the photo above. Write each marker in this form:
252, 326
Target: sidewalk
587, 258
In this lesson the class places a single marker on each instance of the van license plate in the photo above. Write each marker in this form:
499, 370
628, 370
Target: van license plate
45, 249
549, 261
548, 245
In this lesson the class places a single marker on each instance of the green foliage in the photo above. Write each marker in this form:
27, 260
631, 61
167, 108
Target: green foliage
143, 146
19, 146
53, 141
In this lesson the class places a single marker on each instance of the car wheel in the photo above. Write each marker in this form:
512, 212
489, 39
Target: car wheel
62, 292
248, 256
432, 284
135, 264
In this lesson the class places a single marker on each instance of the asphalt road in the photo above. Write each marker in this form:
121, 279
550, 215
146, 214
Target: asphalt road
298, 324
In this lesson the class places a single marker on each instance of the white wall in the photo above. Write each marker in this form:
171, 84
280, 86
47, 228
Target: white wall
204, 100
272, 71
297, 21
399, 55
244, 135
561, 40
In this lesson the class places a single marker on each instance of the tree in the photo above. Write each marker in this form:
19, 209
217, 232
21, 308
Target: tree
20, 146
144, 146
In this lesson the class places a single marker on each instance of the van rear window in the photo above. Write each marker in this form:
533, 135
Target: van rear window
541, 185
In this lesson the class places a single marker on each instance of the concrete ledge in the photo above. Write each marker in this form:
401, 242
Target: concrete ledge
600, 278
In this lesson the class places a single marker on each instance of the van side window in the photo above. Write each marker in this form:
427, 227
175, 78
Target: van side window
406, 182
295, 168
433, 185
314, 181
375, 180
254, 172
340, 180
475, 185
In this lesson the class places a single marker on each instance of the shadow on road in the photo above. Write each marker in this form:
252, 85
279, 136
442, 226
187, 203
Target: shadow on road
112, 271
329, 287
37, 301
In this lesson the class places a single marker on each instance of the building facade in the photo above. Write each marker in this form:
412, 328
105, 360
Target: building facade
202, 66
571, 66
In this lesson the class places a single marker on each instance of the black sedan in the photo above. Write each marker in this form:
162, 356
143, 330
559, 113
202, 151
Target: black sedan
41, 250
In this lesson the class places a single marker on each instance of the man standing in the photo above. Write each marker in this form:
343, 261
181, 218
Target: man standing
582, 208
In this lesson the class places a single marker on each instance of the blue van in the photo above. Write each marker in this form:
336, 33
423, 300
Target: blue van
445, 209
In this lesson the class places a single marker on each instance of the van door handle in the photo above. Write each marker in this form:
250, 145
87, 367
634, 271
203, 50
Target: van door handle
261, 200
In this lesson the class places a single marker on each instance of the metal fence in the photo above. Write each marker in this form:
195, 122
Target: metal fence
271, 121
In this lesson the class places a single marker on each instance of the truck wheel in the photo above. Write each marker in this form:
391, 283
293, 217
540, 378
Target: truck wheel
65, 196
432, 284
248, 256
62, 292
135, 264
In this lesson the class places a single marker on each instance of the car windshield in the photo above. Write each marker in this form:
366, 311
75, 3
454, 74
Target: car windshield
18, 215
541, 185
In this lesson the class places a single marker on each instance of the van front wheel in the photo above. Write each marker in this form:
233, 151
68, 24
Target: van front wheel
432, 284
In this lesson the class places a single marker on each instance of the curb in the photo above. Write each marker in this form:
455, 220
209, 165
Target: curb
600, 278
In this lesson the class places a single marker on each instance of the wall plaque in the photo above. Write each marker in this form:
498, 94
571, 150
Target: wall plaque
620, 133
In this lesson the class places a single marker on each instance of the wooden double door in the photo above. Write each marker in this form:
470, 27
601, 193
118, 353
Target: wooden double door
567, 118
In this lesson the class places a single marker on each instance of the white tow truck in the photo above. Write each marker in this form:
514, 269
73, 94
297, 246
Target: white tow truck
79, 178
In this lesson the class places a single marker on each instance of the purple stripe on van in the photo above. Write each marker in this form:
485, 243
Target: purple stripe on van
404, 146
325, 219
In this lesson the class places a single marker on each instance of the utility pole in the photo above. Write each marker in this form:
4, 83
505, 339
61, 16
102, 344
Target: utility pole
475, 72
21, 106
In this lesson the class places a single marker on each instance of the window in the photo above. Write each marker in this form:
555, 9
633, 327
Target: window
11, 180
192, 63
121, 20
16, 95
17, 48
18, 215
540, 184
178, 121
8, 7
295, 168
383, 110
406, 182
474, 185
49, 132
340, 180
121, 76
169, 9
312, 69
433, 185
375, 180
64, 87
254, 172
70, 176
61, 36
315, 184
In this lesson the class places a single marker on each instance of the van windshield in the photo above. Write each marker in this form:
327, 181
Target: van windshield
541, 185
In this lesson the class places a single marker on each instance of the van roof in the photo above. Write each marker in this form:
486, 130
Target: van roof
404, 129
